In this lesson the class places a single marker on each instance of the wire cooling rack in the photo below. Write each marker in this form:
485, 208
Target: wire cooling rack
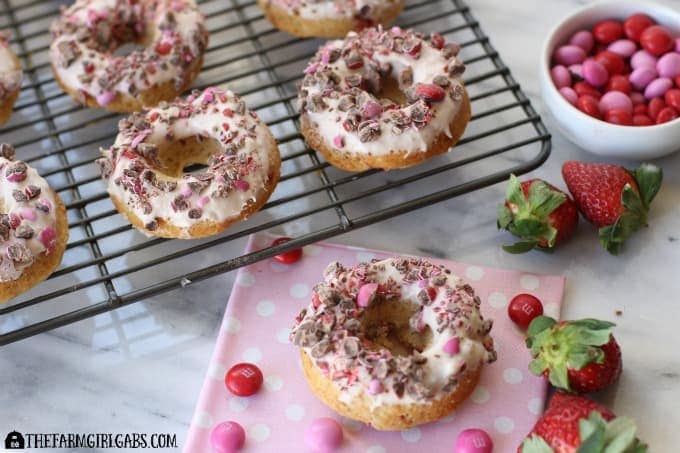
108, 264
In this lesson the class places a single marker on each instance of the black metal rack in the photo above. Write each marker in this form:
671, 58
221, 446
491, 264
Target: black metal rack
108, 264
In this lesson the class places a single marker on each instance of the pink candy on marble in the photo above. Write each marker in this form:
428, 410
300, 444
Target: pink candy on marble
669, 65
595, 73
568, 55
623, 47
452, 347
227, 437
324, 435
583, 39
561, 76
615, 100
366, 294
658, 88
473, 441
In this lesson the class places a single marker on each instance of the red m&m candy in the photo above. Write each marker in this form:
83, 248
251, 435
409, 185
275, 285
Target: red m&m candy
657, 40
523, 308
244, 379
635, 25
287, 257
608, 31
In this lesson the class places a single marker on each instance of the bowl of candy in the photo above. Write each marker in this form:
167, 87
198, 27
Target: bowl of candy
610, 76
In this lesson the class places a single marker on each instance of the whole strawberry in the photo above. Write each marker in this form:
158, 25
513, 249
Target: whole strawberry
576, 424
612, 198
538, 213
577, 356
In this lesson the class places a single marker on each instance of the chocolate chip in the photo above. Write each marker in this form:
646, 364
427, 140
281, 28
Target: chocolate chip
24, 232
195, 213
68, 53
4, 232
456, 68
42, 207
179, 203
19, 196
369, 131
19, 253
151, 226
441, 80
32, 191
7, 151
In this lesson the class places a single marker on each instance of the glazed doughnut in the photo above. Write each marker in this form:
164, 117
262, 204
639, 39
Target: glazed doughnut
90, 31
33, 227
329, 18
383, 99
144, 169
393, 343
10, 78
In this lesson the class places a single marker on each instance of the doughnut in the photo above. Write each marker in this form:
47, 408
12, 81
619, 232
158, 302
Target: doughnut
33, 227
393, 343
329, 18
145, 168
87, 35
10, 78
383, 99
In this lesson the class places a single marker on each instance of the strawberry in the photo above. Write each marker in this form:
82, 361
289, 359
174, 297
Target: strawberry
541, 215
612, 198
576, 424
577, 356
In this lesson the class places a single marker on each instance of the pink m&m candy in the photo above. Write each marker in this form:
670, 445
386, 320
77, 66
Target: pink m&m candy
227, 437
669, 65
570, 95
643, 59
658, 88
473, 441
452, 347
568, 55
561, 76
641, 77
323, 435
583, 39
595, 73
615, 100
623, 47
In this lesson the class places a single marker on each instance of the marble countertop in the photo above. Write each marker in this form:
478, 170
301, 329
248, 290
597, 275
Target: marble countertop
144, 370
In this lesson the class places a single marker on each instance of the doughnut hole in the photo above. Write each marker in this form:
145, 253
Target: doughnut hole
187, 155
390, 89
387, 324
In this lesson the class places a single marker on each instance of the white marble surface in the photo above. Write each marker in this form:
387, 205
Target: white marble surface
142, 367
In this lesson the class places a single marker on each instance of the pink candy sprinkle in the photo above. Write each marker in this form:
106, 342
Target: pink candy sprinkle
28, 214
366, 294
452, 347
140, 138
338, 141
473, 441
324, 435
371, 110
201, 202
48, 238
242, 185
106, 98
375, 387
311, 68
186, 191
227, 437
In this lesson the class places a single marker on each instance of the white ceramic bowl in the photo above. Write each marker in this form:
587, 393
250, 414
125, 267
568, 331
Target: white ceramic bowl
599, 137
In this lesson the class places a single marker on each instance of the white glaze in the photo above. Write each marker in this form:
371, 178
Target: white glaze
8, 205
334, 9
10, 71
207, 120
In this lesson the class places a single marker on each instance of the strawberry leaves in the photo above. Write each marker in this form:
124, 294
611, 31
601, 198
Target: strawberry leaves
558, 348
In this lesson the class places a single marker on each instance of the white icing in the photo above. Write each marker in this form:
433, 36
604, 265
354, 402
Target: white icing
10, 71
431, 63
207, 121
189, 22
24, 211
334, 9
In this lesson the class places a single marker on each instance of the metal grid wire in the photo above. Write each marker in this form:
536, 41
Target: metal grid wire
108, 264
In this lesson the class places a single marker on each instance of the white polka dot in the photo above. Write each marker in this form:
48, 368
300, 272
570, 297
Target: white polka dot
504, 425
365, 256
376, 449
448, 419
528, 281
217, 371
252, 355
238, 404
299, 290
411, 435
552, 309
512, 376
474, 273
265, 308
231, 324
535, 406
352, 426
273, 383
480, 395
245, 279
295, 412
259, 432
282, 335
203, 420
312, 250
498, 300
277, 267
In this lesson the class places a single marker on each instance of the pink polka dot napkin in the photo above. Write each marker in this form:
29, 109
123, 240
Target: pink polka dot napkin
263, 304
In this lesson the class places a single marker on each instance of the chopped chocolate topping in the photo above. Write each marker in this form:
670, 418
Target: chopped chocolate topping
19, 196
7, 151
24, 232
20, 254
